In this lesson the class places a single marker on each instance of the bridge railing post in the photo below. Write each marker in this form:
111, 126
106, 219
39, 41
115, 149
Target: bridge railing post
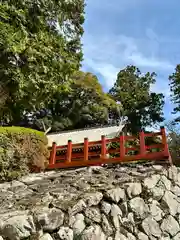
122, 145
86, 149
142, 143
103, 146
69, 151
164, 140
52, 160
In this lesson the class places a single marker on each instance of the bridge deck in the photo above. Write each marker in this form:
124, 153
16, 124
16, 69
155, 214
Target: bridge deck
106, 151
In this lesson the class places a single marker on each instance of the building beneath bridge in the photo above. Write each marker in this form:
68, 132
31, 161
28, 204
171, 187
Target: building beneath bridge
77, 136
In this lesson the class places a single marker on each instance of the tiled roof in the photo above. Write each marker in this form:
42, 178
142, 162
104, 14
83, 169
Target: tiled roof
77, 136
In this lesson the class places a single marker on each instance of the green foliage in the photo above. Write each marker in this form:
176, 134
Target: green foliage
142, 107
40, 48
21, 149
173, 137
175, 88
83, 103
40, 80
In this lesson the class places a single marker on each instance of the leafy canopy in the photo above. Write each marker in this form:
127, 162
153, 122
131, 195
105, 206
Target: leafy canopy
141, 106
83, 104
40, 80
39, 49
174, 82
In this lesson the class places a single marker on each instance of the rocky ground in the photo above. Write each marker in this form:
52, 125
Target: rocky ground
94, 203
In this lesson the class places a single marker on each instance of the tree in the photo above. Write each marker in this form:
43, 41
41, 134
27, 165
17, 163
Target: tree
175, 89
173, 138
3, 96
39, 50
142, 107
82, 104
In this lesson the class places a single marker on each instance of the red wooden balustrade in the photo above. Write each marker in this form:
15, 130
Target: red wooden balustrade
98, 152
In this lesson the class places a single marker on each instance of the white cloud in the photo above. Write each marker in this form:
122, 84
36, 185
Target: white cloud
113, 40
162, 86
106, 55
107, 70
142, 61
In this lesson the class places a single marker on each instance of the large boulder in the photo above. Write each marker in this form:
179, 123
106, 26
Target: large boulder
65, 233
93, 199
50, 219
93, 232
93, 214
170, 225
155, 210
134, 189
165, 182
105, 207
142, 236
138, 206
173, 173
116, 215
78, 207
46, 236
115, 195
169, 202
77, 223
18, 227
151, 227
152, 181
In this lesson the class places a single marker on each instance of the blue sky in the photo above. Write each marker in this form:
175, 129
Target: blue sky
145, 33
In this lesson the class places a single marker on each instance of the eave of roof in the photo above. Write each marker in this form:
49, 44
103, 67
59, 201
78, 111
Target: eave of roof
77, 136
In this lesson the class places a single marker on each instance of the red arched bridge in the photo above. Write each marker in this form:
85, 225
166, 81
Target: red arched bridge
108, 151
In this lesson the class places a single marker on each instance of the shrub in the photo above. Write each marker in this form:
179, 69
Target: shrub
21, 149
173, 138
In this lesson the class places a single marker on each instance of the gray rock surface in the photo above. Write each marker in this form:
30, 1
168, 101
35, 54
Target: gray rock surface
166, 182
170, 202
116, 215
105, 207
158, 192
93, 232
77, 223
176, 190
151, 227
152, 181
46, 236
134, 189
78, 207
102, 203
116, 194
142, 236
106, 227
156, 211
173, 173
65, 233
93, 199
177, 237
170, 225
138, 206
18, 227
50, 219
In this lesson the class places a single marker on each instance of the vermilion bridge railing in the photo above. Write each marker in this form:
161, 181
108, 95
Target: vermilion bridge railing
99, 152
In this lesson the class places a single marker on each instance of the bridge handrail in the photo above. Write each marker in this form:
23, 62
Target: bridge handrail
84, 156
